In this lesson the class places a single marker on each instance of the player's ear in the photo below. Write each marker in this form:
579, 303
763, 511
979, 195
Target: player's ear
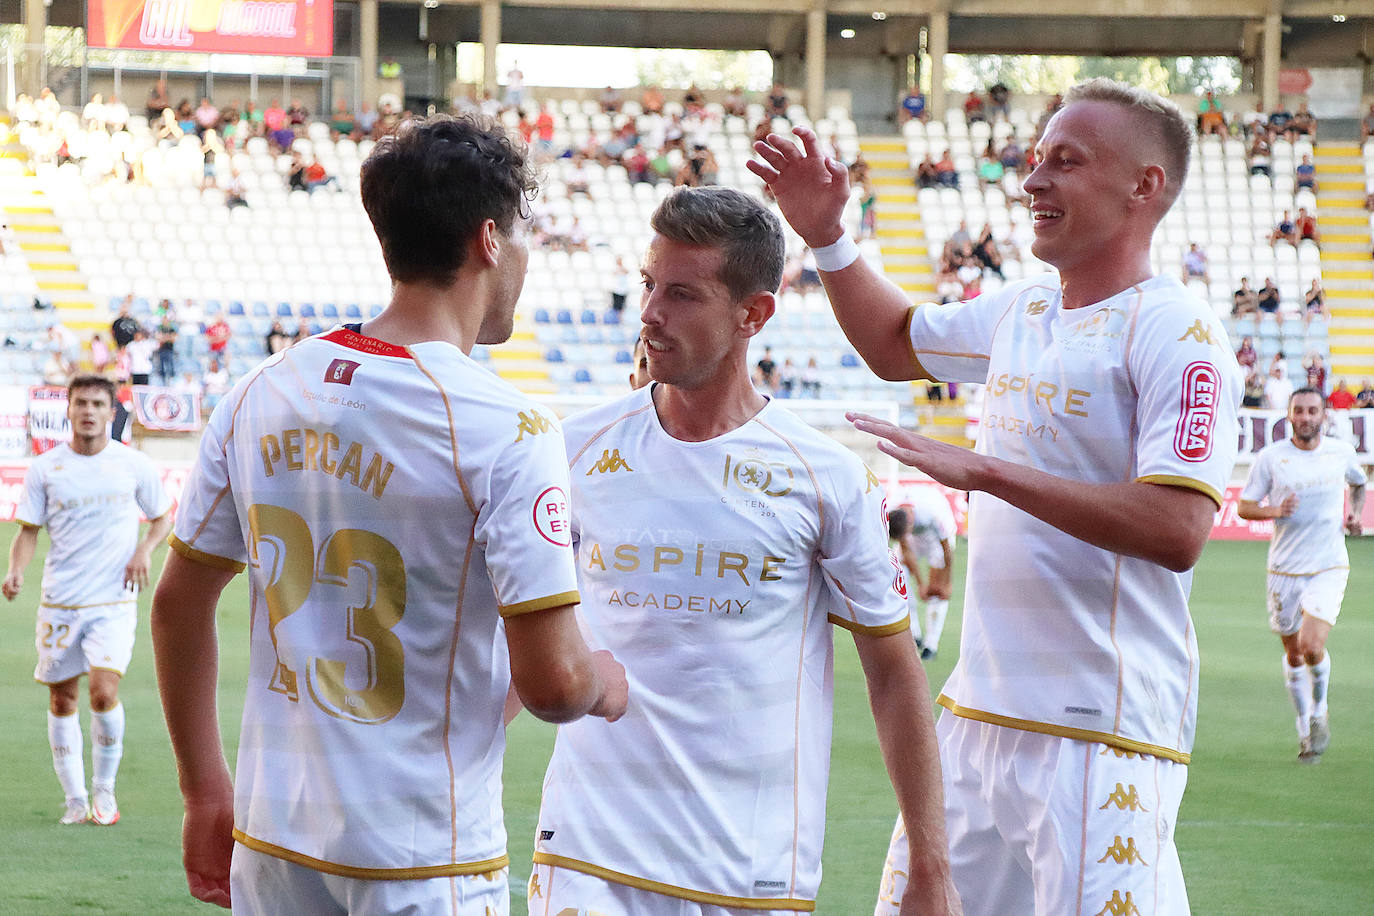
1150, 183
487, 244
758, 308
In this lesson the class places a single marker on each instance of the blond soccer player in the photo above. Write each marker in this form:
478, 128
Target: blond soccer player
1108, 436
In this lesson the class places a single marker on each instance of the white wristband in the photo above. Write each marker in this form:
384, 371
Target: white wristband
838, 255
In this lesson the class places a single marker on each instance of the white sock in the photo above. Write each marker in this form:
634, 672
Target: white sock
64, 737
1299, 682
107, 745
913, 609
1321, 680
936, 611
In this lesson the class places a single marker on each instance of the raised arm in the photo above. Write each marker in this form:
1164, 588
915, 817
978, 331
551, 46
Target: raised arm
186, 652
1164, 524
553, 673
812, 191
900, 700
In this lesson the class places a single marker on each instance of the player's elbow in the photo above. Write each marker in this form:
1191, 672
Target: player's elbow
1180, 551
558, 693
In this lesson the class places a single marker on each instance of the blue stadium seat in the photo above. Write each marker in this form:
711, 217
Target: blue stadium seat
306, 310
593, 335
582, 377
610, 316
623, 356
236, 310
554, 355
564, 316
849, 361
283, 310
588, 316
375, 310
329, 310
353, 312
541, 316
260, 310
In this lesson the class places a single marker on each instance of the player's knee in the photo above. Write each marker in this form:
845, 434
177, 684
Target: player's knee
103, 697
61, 704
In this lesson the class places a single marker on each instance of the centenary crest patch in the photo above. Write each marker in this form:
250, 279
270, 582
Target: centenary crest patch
1197, 415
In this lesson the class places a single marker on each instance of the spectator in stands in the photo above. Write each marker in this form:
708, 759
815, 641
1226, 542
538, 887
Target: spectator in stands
116, 115
250, 121
168, 128
766, 370
316, 177
1269, 297
1246, 354
788, 378
1195, 264
1277, 387
1302, 124
1315, 368
999, 100
140, 351
947, 284
1305, 227
543, 131
210, 148
217, 334
1013, 157
186, 117
811, 379
990, 171
279, 133
341, 121
1253, 393
986, 253
515, 86
47, 107
1278, 120
297, 115
651, 100
214, 384
1365, 399
235, 194
1260, 154
1342, 398
93, 115
295, 172
166, 333
777, 103
1283, 231
206, 117
1052, 105
101, 357
693, 100
1305, 175
975, 108
277, 338
158, 99
639, 168
610, 100
1314, 302
1256, 123
125, 325
1211, 119
946, 174
735, 104
868, 210
367, 120
912, 106
621, 285
927, 175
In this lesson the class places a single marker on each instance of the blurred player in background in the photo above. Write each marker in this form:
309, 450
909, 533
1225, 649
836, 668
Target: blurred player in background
718, 539
1108, 435
89, 494
639, 375
397, 504
922, 528
1300, 483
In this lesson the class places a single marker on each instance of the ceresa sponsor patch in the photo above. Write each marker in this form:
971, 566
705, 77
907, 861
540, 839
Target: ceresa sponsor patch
1197, 417
899, 578
551, 516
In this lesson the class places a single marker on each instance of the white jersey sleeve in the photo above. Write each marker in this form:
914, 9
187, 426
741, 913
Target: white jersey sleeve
1189, 385
864, 591
1260, 478
151, 496
33, 511
207, 527
953, 342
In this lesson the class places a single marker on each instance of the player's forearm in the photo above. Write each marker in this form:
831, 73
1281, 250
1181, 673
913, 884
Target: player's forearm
1357, 501
1252, 511
186, 654
1166, 525
900, 699
872, 313
158, 529
22, 548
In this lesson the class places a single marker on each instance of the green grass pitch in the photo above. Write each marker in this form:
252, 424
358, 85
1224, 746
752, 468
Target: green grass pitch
1258, 833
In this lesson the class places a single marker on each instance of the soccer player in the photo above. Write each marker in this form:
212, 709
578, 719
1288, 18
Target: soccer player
89, 494
1300, 483
400, 508
1108, 434
929, 536
718, 538
639, 375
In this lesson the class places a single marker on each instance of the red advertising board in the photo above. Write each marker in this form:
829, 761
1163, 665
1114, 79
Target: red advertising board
298, 28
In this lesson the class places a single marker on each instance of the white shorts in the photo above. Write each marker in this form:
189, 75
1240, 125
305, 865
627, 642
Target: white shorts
1291, 597
555, 891
1046, 825
263, 885
72, 642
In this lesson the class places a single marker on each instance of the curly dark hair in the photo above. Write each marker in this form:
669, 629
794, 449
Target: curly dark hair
429, 187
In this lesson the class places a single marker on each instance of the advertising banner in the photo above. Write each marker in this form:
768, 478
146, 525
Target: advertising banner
296, 28
48, 423
166, 410
14, 421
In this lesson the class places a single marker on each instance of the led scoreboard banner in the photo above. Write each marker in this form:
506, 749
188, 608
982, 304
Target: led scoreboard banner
298, 28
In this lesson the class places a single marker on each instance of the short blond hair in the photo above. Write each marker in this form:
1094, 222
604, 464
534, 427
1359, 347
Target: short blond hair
1169, 124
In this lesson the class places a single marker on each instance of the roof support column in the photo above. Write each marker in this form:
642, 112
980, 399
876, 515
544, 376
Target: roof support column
367, 50
491, 37
815, 60
937, 46
1270, 58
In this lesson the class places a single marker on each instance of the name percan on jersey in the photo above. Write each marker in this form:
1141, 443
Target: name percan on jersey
1060, 636
713, 571
391, 504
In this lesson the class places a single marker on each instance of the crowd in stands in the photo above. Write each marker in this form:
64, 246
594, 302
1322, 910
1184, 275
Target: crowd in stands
1270, 386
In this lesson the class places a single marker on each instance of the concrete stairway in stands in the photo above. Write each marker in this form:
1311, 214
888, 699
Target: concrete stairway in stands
1347, 271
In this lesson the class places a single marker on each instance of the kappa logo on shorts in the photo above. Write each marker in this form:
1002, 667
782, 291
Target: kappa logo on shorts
609, 462
1124, 854
1119, 906
340, 372
1125, 800
1197, 415
1118, 751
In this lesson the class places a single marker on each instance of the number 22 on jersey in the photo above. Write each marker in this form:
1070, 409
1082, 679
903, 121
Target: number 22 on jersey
283, 550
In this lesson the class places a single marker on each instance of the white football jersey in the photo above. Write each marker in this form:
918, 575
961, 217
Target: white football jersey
393, 503
1060, 636
90, 505
1312, 539
713, 571
931, 520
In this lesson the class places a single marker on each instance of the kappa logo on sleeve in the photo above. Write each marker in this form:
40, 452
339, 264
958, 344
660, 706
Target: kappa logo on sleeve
340, 372
551, 517
1200, 333
1197, 415
531, 423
